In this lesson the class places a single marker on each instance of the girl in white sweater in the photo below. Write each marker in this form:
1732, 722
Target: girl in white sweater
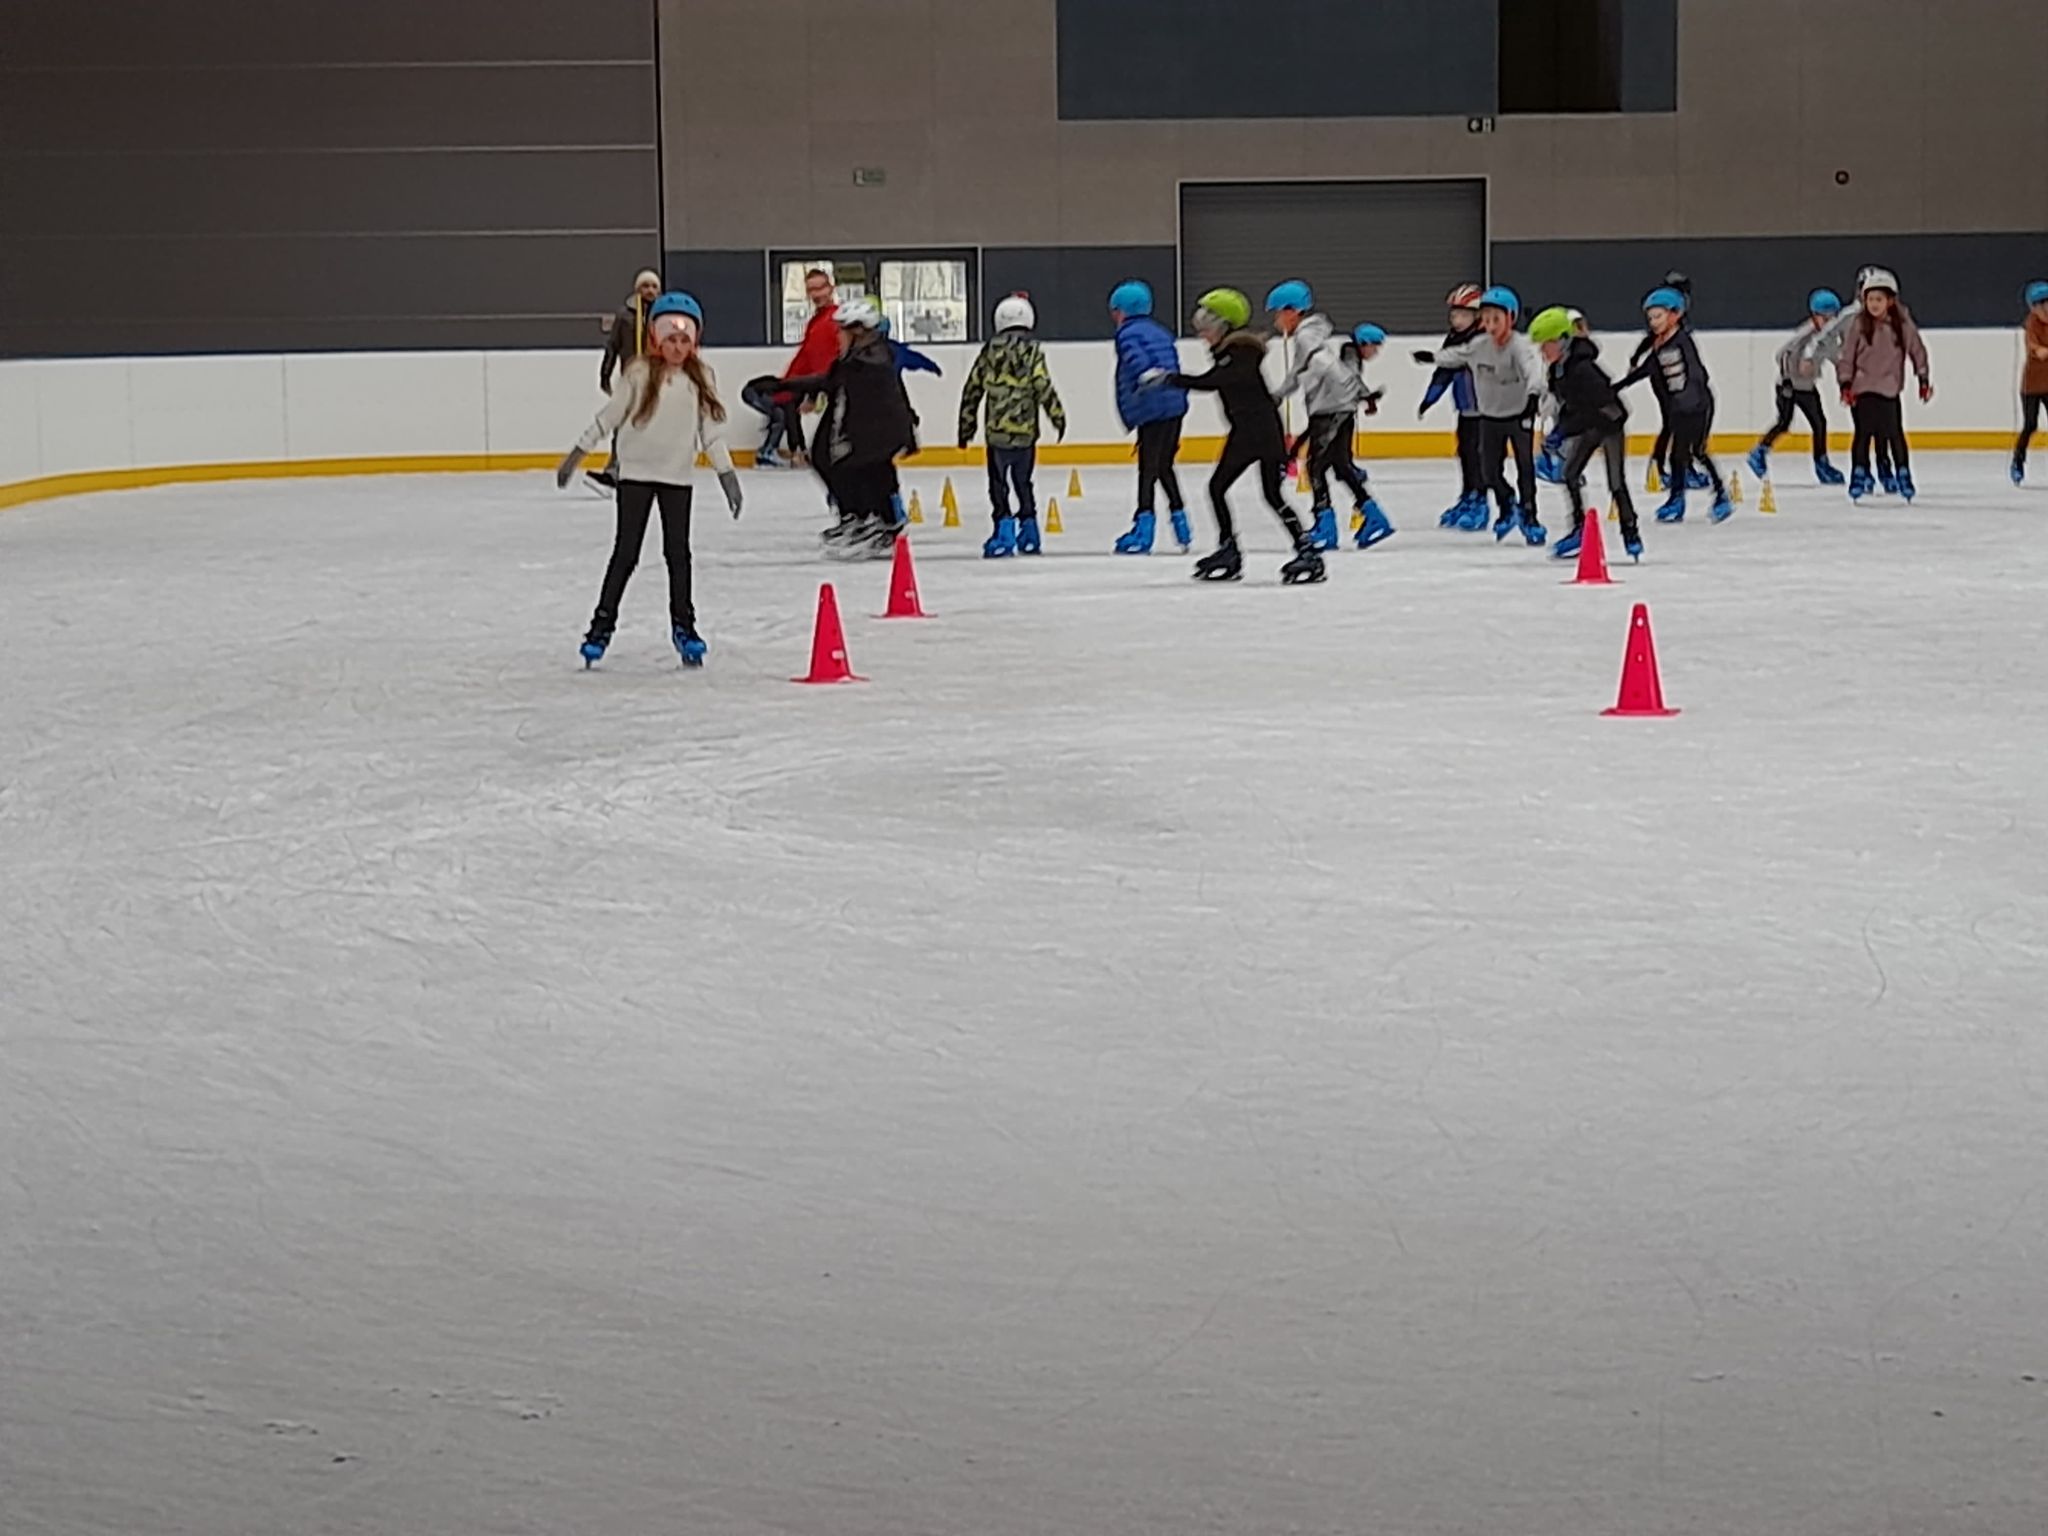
664, 414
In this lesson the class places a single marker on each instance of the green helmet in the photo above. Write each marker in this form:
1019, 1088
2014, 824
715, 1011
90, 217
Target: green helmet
1554, 324
1227, 305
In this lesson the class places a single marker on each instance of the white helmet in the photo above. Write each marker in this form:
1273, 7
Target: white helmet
859, 312
1016, 313
1876, 277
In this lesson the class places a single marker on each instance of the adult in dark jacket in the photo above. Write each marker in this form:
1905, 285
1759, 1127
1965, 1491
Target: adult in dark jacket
867, 421
627, 335
1255, 437
1590, 419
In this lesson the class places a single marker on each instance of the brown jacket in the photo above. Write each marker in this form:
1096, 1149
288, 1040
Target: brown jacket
627, 339
2034, 376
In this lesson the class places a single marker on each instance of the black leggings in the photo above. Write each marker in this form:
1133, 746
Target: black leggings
1158, 446
863, 490
1880, 424
1329, 453
1471, 477
1498, 435
1237, 458
1807, 402
2030, 419
1689, 431
1578, 453
636, 500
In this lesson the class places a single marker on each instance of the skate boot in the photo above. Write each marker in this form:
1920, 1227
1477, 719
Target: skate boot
1027, 535
1183, 535
1550, 467
2018, 471
1137, 539
1673, 510
1568, 546
1759, 461
853, 543
1225, 564
1696, 479
1889, 480
1723, 507
689, 645
1375, 527
594, 646
1505, 524
879, 543
1324, 534
1632, 544
1003, 542
1826, 473
1454, 514
768, 458
1905, 484
1305, 567
1473, 518
1533, 531
847, 526
1859, 484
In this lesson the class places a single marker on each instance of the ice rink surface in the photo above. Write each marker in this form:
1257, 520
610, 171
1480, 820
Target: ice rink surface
1156, 1060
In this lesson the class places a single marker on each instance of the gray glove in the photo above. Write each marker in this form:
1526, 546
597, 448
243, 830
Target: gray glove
730, 484
566, 470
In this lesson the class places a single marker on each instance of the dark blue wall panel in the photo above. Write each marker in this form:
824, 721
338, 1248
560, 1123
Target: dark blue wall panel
1275, 58
1649, 55
1069, 285
733, 288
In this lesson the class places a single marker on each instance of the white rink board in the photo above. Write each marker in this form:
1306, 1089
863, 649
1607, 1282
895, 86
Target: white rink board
1155, 1060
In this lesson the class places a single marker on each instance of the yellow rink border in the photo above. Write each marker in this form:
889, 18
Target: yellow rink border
1373, 447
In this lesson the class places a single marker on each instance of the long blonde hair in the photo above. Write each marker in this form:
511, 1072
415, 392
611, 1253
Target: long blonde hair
656, 371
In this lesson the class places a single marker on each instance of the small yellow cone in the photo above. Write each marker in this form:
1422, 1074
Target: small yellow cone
1653, 482
1735, 486
1052, 517
1074, 485
1768, 502
950, 502
916, 508
1614, 511
1301, 478
1357, 521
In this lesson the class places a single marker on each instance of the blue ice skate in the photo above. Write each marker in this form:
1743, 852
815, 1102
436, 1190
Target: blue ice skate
1759, 461
1027, 535
1183, 535
1003, 542
689, 645
1904, 482
1889, 480
1137, 539
2019, 471
594, 648
1696, 479
1568, 546
768, 458
1324, 534
1723, 507
1472, 519
1533, 531
1860, 484
1550, 467
1504, 524
1673, 510
1825, 472
1375, 527
1454, 514
1633, 548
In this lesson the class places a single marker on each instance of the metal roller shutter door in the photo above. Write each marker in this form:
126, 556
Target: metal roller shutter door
1385, 251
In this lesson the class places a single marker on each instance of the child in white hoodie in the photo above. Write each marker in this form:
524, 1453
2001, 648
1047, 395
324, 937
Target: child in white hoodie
664, 415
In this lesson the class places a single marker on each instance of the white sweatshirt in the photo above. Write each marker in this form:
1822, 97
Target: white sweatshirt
665, 450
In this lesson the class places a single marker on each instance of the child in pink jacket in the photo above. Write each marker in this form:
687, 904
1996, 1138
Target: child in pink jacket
1872, 368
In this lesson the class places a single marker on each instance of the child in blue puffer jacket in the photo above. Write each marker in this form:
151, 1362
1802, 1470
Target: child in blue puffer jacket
1144, 345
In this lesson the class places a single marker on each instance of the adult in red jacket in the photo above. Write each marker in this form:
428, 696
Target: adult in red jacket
816, 354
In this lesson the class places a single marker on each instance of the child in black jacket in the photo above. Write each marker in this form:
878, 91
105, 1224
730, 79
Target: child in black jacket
1255, 437
1672, 364
1590, 419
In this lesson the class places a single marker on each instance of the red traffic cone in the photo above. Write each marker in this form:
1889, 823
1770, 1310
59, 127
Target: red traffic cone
903, 603
1592, 570
1642, 691
828, 644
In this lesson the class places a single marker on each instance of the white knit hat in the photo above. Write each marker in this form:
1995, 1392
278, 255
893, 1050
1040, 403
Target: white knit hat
647, 275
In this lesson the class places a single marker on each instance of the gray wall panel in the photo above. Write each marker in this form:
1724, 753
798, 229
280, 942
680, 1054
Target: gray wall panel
1274, 58
87, 337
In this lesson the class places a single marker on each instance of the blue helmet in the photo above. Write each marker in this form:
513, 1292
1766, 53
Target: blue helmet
1133, 297
1368, 335
1665, 298
677, 303
1824, 301
1499, 296
2037, 293
1292, 294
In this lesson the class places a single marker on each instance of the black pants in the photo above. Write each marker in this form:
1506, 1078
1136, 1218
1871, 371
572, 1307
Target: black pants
1238, 457
1498, 436
863, 490
1329, 453
636, 500
1807, 403
1880, 424
2030, 420
1578, 453
1008, 469
1158, 447
1471, 474
784, 419
1689, 431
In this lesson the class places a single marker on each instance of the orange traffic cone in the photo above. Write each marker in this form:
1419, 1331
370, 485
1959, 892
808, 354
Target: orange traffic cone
1592, 570
828, 644
1642, 691
903, 603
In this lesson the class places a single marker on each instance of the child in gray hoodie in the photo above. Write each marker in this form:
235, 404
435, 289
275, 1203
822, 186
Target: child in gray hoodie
1809, 350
